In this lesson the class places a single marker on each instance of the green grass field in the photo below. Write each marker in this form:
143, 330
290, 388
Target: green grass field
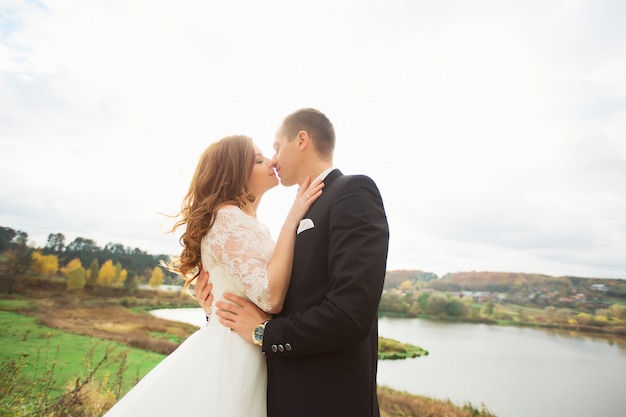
67, 355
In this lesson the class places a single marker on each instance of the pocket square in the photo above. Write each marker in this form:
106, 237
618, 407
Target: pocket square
305, 224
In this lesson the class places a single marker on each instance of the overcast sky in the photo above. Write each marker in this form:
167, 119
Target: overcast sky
495, 130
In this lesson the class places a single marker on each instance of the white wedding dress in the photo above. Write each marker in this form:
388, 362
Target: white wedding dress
214, 372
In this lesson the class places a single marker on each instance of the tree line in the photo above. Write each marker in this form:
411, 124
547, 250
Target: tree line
80, 262
592, 304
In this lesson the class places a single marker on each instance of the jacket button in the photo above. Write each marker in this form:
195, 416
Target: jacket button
274, 348
287, 347
281, 348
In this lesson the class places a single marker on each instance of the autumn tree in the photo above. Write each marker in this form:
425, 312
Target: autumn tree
121, 278
71, 265
550, 311
107, 273
157, 277
76, 279
436, 304
45, 264
618, 311
92, 272
120, 275
406, 285
415, 309
584, 318
563, 315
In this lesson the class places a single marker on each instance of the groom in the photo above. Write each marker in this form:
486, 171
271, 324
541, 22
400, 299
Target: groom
322, 348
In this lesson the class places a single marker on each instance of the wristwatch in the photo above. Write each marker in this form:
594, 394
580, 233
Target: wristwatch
257, 334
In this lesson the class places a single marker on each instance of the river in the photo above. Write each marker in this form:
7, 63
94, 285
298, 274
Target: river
515, 372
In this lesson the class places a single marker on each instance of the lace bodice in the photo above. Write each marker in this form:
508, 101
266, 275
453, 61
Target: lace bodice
236, 252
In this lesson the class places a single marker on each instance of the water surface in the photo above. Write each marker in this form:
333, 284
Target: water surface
514, 371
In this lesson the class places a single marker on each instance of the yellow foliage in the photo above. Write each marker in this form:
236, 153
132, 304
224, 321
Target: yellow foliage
584, 318
107, 274
157, 277
76, 279
618, 311
71, 265
406, 285
121, 279
45, 264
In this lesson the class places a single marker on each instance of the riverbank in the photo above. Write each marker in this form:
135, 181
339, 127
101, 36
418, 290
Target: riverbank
58, 317
526, 317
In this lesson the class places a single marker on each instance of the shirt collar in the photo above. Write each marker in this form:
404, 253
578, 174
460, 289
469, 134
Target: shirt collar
325, 173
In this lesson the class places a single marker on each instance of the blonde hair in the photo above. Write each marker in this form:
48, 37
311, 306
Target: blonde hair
221, 177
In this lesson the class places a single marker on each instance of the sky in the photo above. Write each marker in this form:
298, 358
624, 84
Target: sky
495, 130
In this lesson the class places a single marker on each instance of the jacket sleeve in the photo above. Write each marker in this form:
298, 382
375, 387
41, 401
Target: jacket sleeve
358, 246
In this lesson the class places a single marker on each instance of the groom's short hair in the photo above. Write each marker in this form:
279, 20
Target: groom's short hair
316, 124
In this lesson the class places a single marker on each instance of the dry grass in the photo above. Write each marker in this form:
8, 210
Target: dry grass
400, 404
107, 319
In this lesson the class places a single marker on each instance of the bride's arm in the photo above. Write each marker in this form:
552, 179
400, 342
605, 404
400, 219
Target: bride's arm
279, 267
241, 251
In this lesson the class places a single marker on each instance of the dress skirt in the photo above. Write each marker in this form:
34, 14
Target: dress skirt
214, 373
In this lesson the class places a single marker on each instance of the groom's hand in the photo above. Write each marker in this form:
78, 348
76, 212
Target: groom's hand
203, 293
240, 315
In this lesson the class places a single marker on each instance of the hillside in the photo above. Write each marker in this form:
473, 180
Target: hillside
503, 281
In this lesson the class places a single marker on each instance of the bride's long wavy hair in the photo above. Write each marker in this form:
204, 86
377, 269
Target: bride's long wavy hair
221, 177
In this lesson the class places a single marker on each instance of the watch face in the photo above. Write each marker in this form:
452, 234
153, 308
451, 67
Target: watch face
258, 333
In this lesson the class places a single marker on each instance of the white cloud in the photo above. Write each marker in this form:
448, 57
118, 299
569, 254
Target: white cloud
494, 129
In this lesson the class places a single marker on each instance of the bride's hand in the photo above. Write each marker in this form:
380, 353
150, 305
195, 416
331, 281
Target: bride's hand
307, 194
203, 291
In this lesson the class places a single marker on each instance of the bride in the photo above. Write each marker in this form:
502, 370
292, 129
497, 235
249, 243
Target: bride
215, 372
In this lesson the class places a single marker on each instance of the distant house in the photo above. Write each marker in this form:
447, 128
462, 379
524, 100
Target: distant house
478, 296
599, 287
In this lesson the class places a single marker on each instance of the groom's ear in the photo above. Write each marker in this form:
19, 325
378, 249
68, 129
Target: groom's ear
304, 140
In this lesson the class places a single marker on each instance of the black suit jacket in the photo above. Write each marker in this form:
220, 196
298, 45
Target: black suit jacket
322, 348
